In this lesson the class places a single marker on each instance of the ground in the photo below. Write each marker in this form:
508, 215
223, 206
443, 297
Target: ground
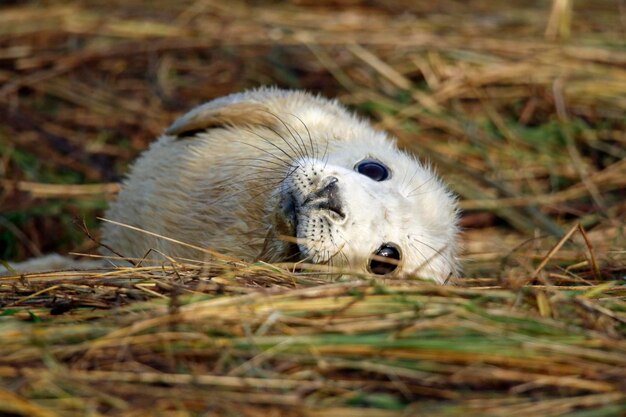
520, 106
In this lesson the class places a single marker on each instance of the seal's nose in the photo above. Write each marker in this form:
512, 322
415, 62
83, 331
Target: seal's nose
331, 194
328, 197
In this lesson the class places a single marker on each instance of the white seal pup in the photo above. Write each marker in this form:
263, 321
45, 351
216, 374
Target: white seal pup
278, 175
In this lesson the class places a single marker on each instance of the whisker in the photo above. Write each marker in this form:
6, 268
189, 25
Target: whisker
301, 154
286, 126
268, 161
325, 156
286, 162
437, 252
411, 193
308, 132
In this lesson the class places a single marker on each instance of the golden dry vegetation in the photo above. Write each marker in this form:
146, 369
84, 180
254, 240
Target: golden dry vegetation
520, 105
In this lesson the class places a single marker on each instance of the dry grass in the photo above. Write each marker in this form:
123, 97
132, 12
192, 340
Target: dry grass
521, 107
254, 339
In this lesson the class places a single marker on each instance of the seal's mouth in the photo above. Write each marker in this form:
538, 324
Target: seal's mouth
327, 200
290, 214
290, 226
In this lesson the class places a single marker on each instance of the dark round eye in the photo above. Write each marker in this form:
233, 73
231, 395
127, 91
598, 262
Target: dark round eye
373, 169
382, 266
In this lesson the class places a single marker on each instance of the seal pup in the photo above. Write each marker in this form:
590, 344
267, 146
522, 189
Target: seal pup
280, 175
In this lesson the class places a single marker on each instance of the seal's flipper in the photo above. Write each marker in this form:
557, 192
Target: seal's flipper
53, 262
219, 113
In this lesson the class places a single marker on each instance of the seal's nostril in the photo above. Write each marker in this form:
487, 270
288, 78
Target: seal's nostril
334, 205
327, 198
330, 188
332, 181
331, 195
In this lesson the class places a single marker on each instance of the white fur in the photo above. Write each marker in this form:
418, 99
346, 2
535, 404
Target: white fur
221, 188
411, 209
51, 262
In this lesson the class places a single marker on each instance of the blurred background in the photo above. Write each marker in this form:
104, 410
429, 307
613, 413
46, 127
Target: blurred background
520, 106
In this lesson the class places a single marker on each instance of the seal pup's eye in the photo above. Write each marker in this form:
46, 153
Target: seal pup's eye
372, 169
380, 266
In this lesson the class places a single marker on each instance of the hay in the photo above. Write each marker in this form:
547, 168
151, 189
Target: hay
520, 107
253, 339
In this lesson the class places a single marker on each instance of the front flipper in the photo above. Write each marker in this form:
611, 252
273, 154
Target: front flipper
220, 113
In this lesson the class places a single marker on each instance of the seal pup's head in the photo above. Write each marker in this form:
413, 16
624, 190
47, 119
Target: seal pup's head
333, 189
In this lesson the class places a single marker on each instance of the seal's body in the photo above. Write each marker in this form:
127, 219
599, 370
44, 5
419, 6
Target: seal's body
277, 175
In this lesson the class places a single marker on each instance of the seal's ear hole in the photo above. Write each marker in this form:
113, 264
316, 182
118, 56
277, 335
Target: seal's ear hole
385, 260
218, 114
